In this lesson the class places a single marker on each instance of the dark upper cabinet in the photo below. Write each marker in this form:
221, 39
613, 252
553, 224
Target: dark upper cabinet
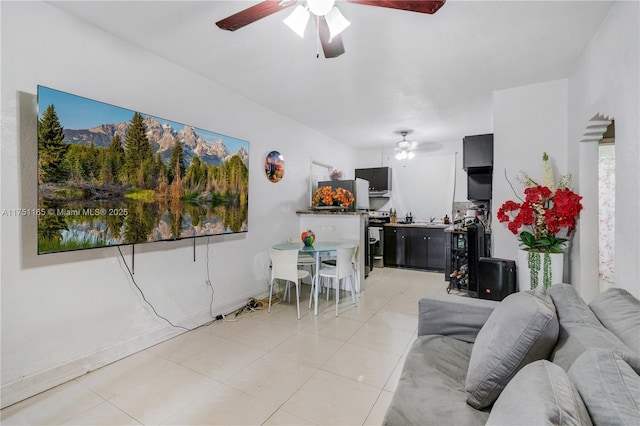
477, 152
479, 186
379, 178
477, 159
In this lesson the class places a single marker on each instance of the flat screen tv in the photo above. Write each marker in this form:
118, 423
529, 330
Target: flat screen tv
109, 176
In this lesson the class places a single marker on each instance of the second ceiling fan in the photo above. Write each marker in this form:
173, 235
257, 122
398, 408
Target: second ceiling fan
329, 20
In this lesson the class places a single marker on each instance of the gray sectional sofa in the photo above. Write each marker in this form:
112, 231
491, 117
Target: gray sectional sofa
538, 357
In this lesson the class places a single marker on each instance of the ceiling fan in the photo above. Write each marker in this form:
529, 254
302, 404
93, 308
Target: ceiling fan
330, 22
404, 147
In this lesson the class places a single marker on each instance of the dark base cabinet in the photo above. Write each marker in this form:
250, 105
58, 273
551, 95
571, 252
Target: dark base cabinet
414, 247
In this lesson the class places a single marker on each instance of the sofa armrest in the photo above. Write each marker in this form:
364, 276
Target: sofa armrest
453, 316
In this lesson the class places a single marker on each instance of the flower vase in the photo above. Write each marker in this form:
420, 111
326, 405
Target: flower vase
536, 269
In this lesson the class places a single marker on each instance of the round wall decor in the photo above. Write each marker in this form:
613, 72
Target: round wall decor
274, 166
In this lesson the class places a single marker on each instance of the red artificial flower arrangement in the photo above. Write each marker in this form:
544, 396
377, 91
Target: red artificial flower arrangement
544, 213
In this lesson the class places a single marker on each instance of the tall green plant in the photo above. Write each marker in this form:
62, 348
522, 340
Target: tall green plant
51, 147
137, 150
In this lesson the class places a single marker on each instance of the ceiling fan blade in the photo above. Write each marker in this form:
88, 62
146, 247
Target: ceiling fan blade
254, 13
421, 6
331, 48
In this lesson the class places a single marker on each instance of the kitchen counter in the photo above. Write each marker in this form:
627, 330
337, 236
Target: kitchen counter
333, 212
419, 225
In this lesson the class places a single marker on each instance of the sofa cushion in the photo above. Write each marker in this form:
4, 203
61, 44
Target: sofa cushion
609, 387
431, 387
580, 329
540, 394
523, 328
619, 312
453, 316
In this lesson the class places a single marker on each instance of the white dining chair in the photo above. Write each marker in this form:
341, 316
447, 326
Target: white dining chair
343, 270
307, 261
355, 262
284, 266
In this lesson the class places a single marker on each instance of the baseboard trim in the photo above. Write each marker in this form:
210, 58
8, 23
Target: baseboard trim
26, 387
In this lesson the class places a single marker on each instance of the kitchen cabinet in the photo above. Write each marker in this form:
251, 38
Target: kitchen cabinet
435, 249
394, 245
477, 159
479, 186
414, 247
379, 179
477, 152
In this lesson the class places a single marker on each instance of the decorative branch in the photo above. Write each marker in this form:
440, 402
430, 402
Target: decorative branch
511, 185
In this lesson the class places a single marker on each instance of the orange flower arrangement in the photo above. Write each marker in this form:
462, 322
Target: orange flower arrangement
326, 196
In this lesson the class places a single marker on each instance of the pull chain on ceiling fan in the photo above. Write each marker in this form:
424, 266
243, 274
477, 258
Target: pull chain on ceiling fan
330, 21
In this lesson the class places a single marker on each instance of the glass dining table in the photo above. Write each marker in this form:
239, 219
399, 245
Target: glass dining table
317, 249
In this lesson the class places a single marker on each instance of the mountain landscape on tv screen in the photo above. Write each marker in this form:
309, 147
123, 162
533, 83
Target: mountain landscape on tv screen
162, 138
125, 182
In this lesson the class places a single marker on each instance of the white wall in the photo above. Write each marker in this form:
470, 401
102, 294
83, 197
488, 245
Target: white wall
553, 117
527, 121
425, 185
606, 81
65, 314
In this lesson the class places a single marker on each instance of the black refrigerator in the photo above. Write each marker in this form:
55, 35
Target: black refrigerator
475, 250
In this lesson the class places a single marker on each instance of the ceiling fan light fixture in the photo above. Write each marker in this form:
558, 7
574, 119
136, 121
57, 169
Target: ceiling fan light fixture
336, 22
404, 147
298, 20
320, 7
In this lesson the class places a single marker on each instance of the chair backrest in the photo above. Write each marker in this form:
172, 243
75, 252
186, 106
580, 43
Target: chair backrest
284, 264
356, 254
344, 265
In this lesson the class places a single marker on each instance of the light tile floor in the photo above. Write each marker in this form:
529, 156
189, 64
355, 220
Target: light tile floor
265, 368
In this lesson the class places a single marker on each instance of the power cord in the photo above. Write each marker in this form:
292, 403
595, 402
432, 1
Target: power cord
208, 282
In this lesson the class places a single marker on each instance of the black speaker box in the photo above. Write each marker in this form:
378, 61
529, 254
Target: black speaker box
496, 278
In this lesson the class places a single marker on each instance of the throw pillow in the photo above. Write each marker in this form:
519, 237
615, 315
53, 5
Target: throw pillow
619, 312
609, 387
523, 328
580, 330
540, 394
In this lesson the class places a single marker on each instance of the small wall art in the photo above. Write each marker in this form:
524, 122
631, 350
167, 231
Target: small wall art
274, 166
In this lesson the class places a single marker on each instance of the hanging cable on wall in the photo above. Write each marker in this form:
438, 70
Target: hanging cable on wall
153, 309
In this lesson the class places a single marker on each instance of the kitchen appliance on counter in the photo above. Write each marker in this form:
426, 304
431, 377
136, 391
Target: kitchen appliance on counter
377, 220
358, 187
478, 212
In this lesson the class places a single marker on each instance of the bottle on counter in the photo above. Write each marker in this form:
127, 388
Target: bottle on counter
458, 218
393, 217
446, 219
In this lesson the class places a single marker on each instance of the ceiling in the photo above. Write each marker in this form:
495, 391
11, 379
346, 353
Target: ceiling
434, 74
